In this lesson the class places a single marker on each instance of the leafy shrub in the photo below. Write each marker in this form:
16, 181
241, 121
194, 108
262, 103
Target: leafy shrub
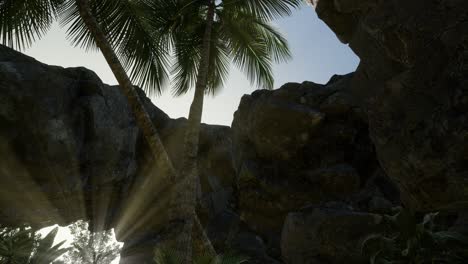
415, 243
24, 246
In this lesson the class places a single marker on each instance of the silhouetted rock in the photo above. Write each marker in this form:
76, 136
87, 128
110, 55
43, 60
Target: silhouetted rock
299, 145
302, 174
412, 82
71, 150
332, 233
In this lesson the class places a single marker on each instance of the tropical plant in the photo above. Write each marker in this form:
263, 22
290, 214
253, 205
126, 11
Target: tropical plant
91, 247
206, 36
25, 246
120, 29
172, 257
415, 243
116, 27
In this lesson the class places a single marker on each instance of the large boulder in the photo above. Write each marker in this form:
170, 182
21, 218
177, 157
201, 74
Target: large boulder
413, 84
303, 144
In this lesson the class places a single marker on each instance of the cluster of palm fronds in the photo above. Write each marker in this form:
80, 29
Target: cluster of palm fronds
25, 246
142, 32
413, 242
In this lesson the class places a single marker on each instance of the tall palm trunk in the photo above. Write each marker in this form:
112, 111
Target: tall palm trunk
143, 120
141, 115
189, 187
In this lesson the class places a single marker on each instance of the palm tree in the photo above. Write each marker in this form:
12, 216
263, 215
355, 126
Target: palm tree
120, 30
110, 26
206, 35
124, 28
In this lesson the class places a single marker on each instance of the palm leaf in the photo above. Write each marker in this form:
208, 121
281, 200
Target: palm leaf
268, 9
24, 21
125, 22
46, 252
142, 51
187, 53
249, 51
219, 61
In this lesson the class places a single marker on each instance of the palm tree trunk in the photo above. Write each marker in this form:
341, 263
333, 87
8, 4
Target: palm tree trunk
189, 187
143, 120
141, 115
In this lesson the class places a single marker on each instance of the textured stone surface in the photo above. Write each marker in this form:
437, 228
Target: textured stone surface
299, 145
413, 82
327, 234
71, 150
71, 142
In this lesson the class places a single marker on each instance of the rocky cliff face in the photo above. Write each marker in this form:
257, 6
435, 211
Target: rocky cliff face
304, 173
301, 145
412, 80
71, 150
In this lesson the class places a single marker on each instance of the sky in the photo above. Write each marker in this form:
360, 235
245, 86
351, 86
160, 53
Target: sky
317, 55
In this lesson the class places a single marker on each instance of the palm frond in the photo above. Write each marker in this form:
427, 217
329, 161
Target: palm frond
242, 33
187, 53
182, 25
219, 61
277, 44
77, 32
142, 51
46, 252
126, 24
267, 9
24, 21
249, 50
24, 246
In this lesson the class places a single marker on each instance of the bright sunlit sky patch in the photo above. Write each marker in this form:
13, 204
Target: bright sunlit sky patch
317, 55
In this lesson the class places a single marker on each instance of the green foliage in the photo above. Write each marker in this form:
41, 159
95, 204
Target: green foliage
415, 243
24, 21
242, 34
24, 246
169, 257
124, 22
91, 247
142, 32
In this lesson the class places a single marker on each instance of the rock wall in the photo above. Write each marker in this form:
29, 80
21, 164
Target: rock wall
413, 82
304, 173
71, 150
301, 145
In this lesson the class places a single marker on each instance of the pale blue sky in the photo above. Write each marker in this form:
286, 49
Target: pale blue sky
317, 55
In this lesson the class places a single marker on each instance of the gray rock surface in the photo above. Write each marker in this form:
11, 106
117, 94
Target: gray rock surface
330, 233
413, 84
71, 150
71, 142
299, 145
304, 170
